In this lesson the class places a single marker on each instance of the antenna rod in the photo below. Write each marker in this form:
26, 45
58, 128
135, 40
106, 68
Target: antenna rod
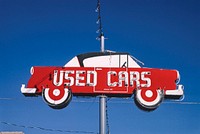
100, 31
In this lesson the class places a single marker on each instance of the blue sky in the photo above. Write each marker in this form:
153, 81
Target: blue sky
161, 33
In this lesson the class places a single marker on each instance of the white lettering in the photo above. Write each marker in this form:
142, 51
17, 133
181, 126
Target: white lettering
94, 82
134, 77
123, 76
69, 78
109, 83
143, 78
56, 81
89, 78
79, 78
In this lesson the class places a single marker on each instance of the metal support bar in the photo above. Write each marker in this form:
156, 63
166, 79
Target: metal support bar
102, 43
102, 114
102, 102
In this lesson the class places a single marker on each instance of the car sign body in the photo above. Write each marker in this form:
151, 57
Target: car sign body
111, 74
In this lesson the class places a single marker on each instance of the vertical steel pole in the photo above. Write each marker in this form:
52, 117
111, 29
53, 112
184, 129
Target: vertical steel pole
102, 117
102, 102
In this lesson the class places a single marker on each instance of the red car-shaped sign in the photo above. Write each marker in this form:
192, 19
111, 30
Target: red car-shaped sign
103, 73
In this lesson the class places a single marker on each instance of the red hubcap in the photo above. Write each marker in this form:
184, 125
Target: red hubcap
149, 95
56, 94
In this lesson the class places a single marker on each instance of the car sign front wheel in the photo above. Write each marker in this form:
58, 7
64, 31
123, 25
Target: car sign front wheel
57, 98
148, 99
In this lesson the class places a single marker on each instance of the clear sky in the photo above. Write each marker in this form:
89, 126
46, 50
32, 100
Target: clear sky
160, 33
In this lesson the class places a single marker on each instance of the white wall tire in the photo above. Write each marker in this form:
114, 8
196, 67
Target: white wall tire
147, 99
57, 98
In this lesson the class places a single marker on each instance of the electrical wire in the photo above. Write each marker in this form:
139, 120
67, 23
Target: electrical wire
183, 103
122, 101
48, 129
107, 119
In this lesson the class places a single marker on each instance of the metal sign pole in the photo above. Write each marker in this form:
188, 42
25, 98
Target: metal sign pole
102, 98
102, 102
102, 115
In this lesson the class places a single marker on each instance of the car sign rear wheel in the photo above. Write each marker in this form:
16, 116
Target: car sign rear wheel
57, 98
